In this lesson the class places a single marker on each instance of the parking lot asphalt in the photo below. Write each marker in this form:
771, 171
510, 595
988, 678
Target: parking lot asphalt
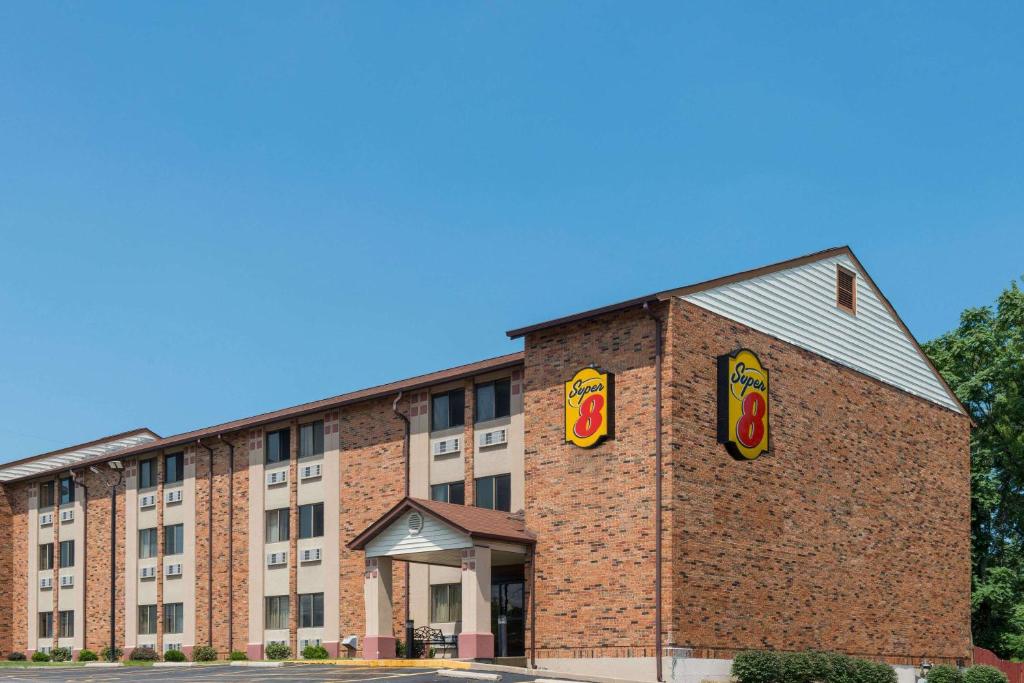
227, 674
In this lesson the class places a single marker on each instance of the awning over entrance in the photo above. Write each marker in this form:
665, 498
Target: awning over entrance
431, 532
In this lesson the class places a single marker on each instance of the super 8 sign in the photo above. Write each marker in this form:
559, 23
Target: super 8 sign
743, 404
589, 407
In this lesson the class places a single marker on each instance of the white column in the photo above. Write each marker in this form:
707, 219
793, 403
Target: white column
476, 640
379, 641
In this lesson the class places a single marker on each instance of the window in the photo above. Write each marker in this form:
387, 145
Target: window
493, 400
846, 289
174, 468
494, 493
46, 494
311, 520
67, 623
311, 610
174, 539
147, 543
46, 556
277, 449
147, 473
147, 620
446, 602
46, 624
447, 409
311, 439
275, 612
174, 617
67, 491
277, 525
67, 554
455, 492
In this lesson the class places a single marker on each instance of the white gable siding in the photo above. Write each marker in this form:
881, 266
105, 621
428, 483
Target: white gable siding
798, 305
397, 540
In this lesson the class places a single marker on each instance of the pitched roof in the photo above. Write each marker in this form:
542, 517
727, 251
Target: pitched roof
73, 455
747, 275
472, 521
412, 383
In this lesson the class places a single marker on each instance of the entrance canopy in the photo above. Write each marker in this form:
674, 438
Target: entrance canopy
432, 532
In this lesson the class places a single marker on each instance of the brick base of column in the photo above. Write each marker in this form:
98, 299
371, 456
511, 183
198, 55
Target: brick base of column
332, 649
378, 647
254, 651
476, 645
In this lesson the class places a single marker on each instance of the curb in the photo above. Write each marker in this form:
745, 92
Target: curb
104, 665
547, 674
390, 663
474, 675
172, 664
260, 664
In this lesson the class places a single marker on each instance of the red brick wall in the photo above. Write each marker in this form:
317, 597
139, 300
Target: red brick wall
852, 534
6, 565
15, 584
96, 555
372, 468
592, 509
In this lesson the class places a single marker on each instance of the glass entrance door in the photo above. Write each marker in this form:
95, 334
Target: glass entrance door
508, 590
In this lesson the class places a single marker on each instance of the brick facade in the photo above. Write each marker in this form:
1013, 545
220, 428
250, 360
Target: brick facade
852, 529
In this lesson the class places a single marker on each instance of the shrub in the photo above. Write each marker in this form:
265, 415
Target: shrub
175, 656
87, 656
318, 652
40, 657
204, 653
757, 666
60, 654
945, 674
16, 657
105, 654
238, 656
144, 654
982, 673
278, 651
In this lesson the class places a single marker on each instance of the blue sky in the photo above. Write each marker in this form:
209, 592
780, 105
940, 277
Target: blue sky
209, 210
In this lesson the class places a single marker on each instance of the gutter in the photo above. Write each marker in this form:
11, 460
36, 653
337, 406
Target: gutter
658, 344
405, 455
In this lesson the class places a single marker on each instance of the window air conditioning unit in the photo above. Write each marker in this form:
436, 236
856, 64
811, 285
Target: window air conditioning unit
173, 569
172, 496
67, 515
147, 501
311, 555
446, 446
310, 471
45, 649
45, 583
46, 519
147, 572
303, 644
277, 559
171, 646
492, 437
67, 580
277, 477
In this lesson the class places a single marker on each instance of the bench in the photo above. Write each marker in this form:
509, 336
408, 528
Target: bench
435, 637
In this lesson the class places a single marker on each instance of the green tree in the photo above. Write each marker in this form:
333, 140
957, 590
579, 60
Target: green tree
983, 361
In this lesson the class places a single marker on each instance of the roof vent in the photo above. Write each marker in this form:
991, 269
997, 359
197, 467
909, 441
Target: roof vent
415, 523
846, 289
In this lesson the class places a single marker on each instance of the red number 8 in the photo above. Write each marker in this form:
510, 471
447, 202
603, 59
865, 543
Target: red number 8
750, 426
590, 416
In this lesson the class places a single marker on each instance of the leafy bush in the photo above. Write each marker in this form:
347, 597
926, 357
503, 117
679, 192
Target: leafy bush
320, 652
238, 656
16, 657
757, 666
204, 653
87, 656
278, 651
40, 657
175, 656
105, 654
808, 667
144, 654
982, 673
945, 674
60, 654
